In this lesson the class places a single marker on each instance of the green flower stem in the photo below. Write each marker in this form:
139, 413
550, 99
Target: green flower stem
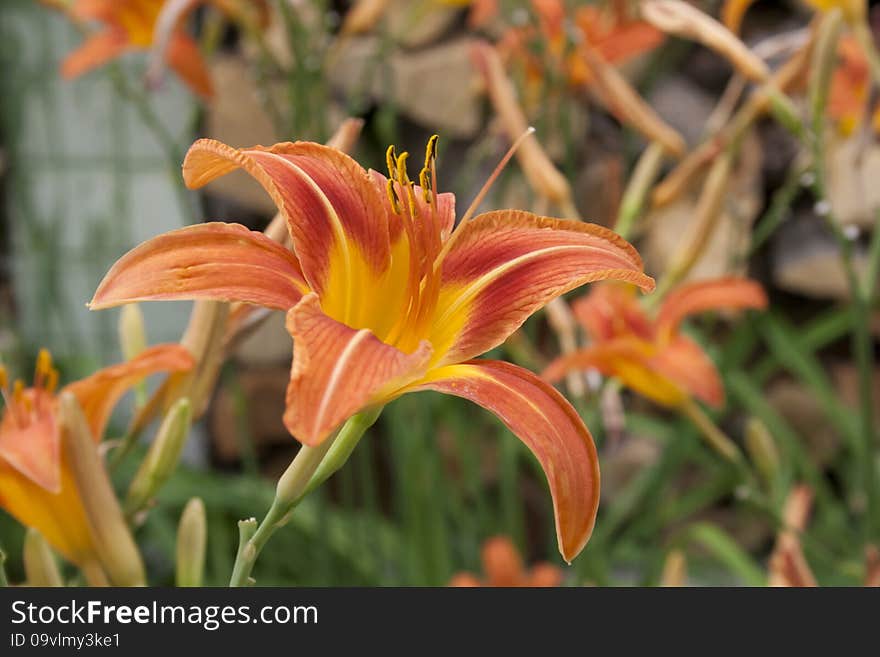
3, 581
633, 202
311, 467
824, 60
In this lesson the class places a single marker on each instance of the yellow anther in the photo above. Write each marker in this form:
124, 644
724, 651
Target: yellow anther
425, 182
44, 363
391, 161
392, 196
51, 381
402, 175
431, 151
4, 378
17, 391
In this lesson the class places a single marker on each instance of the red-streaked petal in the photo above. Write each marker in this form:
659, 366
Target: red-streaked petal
184, 56
684, 362
34, 450
548, 425
96, 51
611, 310
225, 262
723, 293
506, 265
337, 371
630, 360
334, 212
99, 393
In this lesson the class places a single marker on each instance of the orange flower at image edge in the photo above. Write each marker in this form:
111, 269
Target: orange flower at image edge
504, 567
384, 296
36, 484
650, 355
129, 25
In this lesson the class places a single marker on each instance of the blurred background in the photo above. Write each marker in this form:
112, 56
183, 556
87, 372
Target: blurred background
90, 167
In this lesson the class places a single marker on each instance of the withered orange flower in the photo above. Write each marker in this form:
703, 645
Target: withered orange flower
36, 484
503, 566
384, 296
849, 95
650, 355
129, 25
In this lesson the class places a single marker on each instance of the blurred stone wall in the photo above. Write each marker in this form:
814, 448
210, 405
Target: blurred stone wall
84, 181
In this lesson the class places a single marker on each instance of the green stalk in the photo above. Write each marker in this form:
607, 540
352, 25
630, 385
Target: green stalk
293, 486
824, 61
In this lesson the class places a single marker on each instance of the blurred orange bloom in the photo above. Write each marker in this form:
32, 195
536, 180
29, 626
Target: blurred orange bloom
129, 25
384, 296
613, 35
651, 356
850, 88
36, 483
504, 567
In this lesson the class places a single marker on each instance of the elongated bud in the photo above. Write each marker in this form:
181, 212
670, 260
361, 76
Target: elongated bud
619, 97
116, 550
40, 567
762, 449
674, 570
683, 20
824, 62
132, 335
191, 541
162, 457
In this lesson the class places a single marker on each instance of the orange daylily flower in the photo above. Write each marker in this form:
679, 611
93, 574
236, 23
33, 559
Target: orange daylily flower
850, 88
36, 483
614, 35
129, 25
384, 296
650, 355
504, 567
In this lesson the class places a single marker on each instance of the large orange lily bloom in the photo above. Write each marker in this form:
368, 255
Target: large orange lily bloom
384, 297
129, 25
650, 355
36, 484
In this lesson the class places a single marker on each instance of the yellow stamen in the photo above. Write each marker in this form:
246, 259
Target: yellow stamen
4, 378
44, 366
425, 183
18, 392
392, 196
402, 175
391, 162
431, 151
51, 381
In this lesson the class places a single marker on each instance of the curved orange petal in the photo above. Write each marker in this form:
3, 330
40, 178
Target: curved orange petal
95, 51
505, 265
611, 310
34, 450
729, 292
225, 262
542, 418
334, 212
98, 393
337, 371
58, 516
183, 55
630, 360
684, 362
